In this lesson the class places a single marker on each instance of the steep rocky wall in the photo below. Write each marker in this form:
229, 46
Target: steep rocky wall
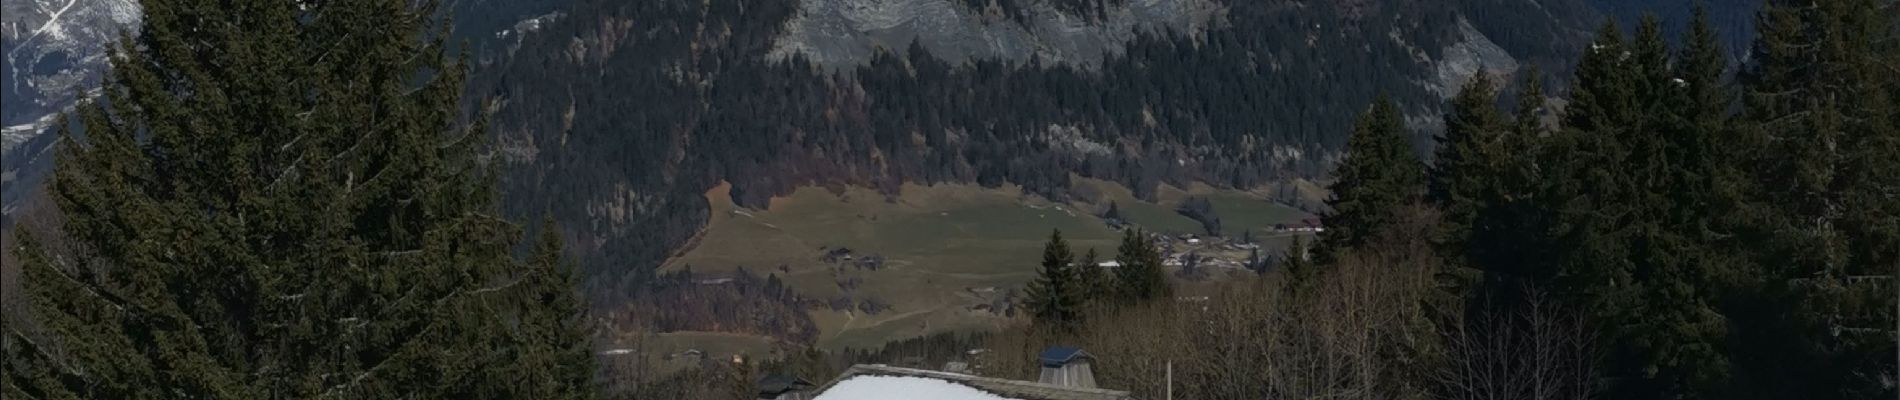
842, 33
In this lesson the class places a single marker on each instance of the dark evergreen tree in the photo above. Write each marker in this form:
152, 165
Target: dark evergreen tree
1678, 332
1202, 210
275, 200
1254, 263
1819, 104
1510, 236
1620, 255
1055, 297
1670, 336
1594, 269
1379, 176
1140, 277
551, 344
1710, 155
1470, 161
1097, 286
1297, 265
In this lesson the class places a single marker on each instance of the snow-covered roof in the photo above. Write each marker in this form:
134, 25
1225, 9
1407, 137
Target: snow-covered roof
873, 387
878, 381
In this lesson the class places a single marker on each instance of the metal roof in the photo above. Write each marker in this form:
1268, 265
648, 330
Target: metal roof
781, 383
1056, 356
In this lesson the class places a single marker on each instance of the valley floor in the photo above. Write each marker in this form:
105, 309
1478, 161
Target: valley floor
946, 257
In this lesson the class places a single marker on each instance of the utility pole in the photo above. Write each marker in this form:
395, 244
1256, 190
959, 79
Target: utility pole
1170, 379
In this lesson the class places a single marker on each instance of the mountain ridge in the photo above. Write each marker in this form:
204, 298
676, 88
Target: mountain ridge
635, 110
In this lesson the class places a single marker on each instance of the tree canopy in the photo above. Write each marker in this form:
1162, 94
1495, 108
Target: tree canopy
281, 200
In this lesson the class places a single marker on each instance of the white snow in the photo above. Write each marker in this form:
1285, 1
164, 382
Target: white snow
866, 387
51, 24
14, 135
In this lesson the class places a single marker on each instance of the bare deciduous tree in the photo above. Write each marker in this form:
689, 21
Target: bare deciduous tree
1534, 351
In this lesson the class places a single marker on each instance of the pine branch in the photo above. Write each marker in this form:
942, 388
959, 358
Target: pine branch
282, 174
1790, 117
399, 253
114, 301
334, 390
41, 350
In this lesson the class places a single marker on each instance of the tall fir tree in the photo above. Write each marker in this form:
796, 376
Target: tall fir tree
1709, 153
1140, 278
1508, 241
1818, 102
1593, 270
1592, 193
1674, 334
1096, 284
551, 339
1379, 176
1624, 262
1055, 297
1297, 265
1469, 161
275, 200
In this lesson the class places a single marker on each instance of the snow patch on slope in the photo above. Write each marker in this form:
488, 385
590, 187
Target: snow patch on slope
13, 135
54, 49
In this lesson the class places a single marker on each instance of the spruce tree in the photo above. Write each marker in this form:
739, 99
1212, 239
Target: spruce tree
1679, 333
1710, 155
1527, 124
1096, 285
1379, 176
1672, 333
1623, 260
276, 200
1594, 269
1297, 265
1140, 277
1254, 262
1598, 159
1509, 232
1819, 104
1469, 161
553, 354
1055, 297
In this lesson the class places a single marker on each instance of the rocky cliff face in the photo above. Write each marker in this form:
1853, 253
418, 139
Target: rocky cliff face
51, 52
841, 33
54, 49
1471, 53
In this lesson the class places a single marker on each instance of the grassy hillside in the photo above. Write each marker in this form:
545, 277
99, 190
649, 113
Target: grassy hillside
1243, 211
946, 249
1239, 211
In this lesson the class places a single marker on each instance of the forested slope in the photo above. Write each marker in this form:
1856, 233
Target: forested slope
617, 118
